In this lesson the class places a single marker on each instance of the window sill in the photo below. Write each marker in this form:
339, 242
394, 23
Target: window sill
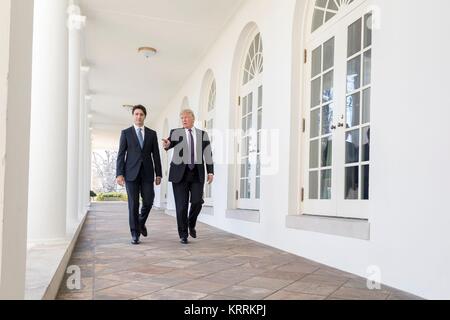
349, 228
244, 215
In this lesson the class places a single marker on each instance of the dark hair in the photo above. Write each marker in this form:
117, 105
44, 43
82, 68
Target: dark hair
139, 107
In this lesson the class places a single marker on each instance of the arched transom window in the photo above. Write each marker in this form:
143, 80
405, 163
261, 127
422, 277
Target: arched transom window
325, 10
212, 96
254, 61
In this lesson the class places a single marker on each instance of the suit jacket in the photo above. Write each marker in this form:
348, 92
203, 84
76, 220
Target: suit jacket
131, 157
181, 156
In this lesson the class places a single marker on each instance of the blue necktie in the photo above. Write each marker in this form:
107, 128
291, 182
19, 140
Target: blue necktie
191, 140
140, 138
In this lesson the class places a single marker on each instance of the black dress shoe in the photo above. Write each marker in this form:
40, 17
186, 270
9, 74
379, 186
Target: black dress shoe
184, 241
135, 239
144, 231
193, 233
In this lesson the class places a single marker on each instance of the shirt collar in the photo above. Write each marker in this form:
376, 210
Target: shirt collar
136, 127
193, 129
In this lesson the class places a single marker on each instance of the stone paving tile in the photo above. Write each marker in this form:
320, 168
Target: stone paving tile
266, 283
173, 294
202, 286
359, 294
288, 295
216, 266
246, 293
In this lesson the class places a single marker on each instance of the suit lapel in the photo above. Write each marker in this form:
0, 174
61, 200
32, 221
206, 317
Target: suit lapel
146, 137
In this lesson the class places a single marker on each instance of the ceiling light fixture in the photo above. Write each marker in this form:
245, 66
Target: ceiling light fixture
147, 51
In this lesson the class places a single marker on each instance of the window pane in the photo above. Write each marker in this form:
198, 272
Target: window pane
315, 92
366, 106
332, 5
321, 3
259, 119
365, 182
314, 154
317, 19
327, 93
258, 188
354, 74
315, 123
245, 189
367, 67
351, 183
327, 118
365, 144
245, 168
260, 96
259, 142
249, 122
245, 146
314, 185
352, 147
258, 166
244, 106
353, 110
327, 152
329, 15
328, 54
354, 38
316, 62
325, 184
250, 103
367, 30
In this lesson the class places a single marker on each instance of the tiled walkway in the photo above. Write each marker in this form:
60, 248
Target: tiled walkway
217, 265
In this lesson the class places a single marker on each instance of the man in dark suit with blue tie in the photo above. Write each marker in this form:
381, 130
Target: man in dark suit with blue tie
192, 154
138, 161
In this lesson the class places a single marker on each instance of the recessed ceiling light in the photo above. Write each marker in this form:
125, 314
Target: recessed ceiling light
147, 51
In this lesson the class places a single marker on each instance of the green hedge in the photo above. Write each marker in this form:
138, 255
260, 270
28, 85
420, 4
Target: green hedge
112, 196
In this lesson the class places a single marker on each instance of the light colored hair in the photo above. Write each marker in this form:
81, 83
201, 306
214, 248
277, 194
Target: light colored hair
187, 111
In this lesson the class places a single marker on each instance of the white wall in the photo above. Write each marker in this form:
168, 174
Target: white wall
411, 147
409, 214
5, 12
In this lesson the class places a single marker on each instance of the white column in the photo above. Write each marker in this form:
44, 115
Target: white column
75, 24
48, 149
83, 143
89, 159
16, 39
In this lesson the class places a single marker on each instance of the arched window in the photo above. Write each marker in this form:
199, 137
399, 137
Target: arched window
337, 109
325, 10
212, 97
250, 123
209, 126
254, 63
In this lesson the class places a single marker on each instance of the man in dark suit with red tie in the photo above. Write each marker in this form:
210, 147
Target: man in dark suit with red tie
192, 154
138, 161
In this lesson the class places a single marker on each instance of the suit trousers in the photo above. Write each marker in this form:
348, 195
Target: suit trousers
190, 188
135, 189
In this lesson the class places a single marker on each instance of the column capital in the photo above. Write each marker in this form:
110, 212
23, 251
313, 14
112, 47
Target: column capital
75, 21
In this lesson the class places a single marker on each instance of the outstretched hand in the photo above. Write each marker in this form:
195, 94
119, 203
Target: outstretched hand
166, 143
